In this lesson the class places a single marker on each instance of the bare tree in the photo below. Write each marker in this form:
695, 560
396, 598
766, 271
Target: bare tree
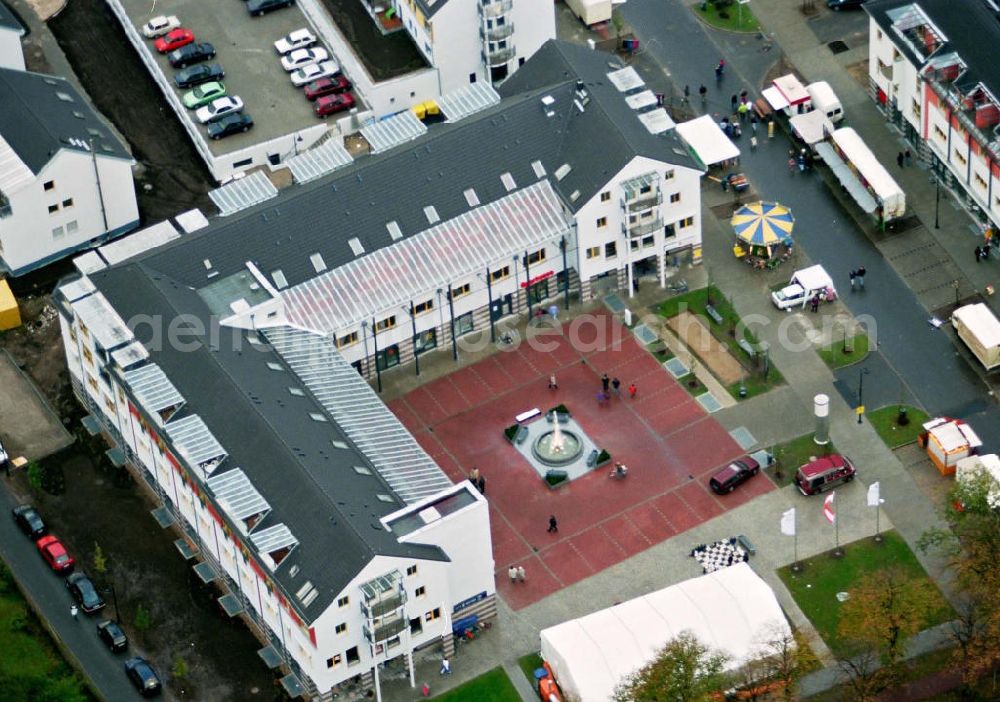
863, 674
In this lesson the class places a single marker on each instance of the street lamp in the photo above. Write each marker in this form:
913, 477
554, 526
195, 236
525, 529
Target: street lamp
937, 201
861, 387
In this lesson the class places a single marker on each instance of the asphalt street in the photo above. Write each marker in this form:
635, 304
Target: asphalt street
923, 357
48, 594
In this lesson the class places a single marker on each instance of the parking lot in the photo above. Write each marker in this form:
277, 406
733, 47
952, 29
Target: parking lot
245, 49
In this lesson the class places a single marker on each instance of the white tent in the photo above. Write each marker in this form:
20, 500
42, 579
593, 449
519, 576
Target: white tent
730, 610
811, 127
708, 143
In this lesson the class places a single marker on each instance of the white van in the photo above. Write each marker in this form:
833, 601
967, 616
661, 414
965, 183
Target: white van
825, 100
804, 285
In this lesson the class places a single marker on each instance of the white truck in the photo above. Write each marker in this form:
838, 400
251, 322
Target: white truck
803, 286
979, 328
824, 100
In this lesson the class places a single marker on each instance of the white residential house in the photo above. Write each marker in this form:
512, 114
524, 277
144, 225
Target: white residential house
932, 69
11, 31
65, 178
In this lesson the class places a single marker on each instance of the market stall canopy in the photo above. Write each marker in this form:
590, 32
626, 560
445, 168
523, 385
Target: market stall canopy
763, 224
792, 90
813, 278
812, 127
846, 177
729, 610
707, 143
775, 99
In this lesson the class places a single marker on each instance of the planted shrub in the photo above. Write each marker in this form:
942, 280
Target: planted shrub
603, 457
511, 432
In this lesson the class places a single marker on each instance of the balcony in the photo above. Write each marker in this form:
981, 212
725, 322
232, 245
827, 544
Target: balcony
642, 202
497, 33
385, 630
498, 57
495, 8
643, 228
383, 595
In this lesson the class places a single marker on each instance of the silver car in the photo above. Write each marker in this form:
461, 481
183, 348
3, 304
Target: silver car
219, 108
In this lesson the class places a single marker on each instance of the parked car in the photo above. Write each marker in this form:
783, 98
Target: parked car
824, 473
332, 104
112, 635
837, 5
230, 124
174, 39
55, 554
4, 457
84, 592
734, 475
299, 39
30, 521
203, 94
327, 86
191, 53
219, 108
142, 675
198, 74
303, 57
313, 71
158, 26
260, 7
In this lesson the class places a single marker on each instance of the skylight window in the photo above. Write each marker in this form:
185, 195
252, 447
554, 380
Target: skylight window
471, 197
317, 262
356, 246
275, 366
538, 168
280, 281
432, 214
508, 181
337, 443
317, 417
394, 231
362, 470
385, 498
563, 171
298, 392
65, 97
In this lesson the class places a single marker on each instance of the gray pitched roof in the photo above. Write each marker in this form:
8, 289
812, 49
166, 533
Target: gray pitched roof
42, 114
972, 30
310, 485
431, 7
9, 20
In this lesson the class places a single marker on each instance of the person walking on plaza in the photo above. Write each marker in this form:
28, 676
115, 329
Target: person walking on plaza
703, 92
520, 573
481, 485
617, 385
73, 611
814, 304
907, 157
733, 102
632, 390
553, 385
605, 383
899, 159
687, 95
753, 142
753, 121
445, 667
979, 254
860, 273
743, 110
553, 524
854, 276
474, 475
512, 572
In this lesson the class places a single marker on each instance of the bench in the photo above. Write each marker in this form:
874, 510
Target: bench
746, 544
750, 350
714, 314
522, 434
592, 458
563, 417
525, 416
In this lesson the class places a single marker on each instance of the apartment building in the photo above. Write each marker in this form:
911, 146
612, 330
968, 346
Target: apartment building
11, 31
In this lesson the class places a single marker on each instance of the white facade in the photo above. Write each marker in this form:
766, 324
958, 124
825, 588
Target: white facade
78, 199
11, 54
334, 646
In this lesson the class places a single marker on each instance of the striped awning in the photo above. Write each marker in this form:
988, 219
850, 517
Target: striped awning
243, 193
393, 131
317, 162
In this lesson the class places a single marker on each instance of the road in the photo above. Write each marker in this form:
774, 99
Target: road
924, 358
50, 599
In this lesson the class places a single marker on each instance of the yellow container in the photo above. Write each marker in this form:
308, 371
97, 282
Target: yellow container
10, 315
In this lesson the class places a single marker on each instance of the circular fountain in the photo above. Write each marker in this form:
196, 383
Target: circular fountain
558, 447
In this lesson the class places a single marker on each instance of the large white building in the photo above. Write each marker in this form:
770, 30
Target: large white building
11, 31
65, 178
225, 363
932, 68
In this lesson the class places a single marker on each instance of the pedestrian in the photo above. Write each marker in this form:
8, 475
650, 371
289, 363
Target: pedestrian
791, 165
520, 573
703, 92
553, 524
899, 159
753, 142
553, 385
907, 157
605, 383
617, 385
632, 390
979, 254
445, 667
73, 611
861, 276
743, 110
425, 690
814, 304
743, 95
854, 276
481, 485
687, 94
734, 101
474, 475
512, 572
753, 122
601, 397
718, 73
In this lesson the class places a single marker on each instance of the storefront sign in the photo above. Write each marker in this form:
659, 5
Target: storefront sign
465, 604
538, 279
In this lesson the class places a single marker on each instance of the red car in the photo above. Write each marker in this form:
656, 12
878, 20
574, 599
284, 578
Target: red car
331, 104
327, 86
55, 554
174, 39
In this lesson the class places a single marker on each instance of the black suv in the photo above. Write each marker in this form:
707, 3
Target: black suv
260, 7
112, 635
84, 592
196, 75
230, 124
142, 675
30, 521
192, 53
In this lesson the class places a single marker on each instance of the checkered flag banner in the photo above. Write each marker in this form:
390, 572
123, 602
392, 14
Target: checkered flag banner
828, 512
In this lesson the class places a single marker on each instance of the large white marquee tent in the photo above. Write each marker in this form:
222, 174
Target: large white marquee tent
732, 610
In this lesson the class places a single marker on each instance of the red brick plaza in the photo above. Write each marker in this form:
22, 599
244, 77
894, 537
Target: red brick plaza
667, 440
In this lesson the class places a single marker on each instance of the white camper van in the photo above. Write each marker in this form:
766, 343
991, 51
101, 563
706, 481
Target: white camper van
825, 100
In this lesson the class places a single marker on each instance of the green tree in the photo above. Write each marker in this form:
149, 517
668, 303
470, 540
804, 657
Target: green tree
100, 560
143, 619
180, 668
35, 476
684, 670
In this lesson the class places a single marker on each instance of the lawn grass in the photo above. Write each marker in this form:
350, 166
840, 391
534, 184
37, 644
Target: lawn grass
792, 454
883, 420
691, 383
491, 686
30, 666
815, 588
729, 17
835, 357
660, 351
528, 664
756, 385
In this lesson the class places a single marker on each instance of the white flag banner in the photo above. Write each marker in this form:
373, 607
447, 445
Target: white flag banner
828, 512
788, 522
873, 496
